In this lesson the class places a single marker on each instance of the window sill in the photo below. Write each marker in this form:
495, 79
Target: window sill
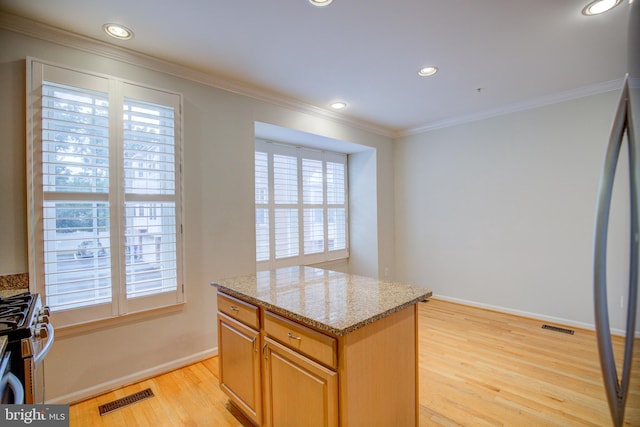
68, 331
334, 264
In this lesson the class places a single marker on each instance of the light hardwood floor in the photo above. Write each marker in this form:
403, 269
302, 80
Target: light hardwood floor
483, 368
477, 368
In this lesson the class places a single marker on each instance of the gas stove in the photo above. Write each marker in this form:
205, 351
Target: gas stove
25, 324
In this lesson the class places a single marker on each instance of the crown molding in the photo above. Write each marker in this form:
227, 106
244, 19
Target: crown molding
66, 38
544, 101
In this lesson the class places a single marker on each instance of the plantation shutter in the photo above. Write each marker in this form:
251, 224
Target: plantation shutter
301, 205
285, 196
104, 194
336, 204
263, 248
75, 192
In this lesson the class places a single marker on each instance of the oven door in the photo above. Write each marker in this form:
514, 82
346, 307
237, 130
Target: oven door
11, 389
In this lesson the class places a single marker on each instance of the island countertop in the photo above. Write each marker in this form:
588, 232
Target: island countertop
330, 301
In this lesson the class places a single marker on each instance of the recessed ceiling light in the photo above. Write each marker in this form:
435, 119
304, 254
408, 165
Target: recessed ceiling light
339, 105
320, 3
118, 31
599, 6
427, 71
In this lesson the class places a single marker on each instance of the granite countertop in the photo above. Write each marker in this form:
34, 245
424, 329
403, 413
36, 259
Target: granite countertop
13, 284
330, 301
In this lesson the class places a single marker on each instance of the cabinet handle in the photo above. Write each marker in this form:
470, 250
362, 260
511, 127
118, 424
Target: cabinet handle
264, 351
234, 308
293, 337
253, 343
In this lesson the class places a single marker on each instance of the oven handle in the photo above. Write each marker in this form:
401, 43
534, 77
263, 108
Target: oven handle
45, 350
16, 386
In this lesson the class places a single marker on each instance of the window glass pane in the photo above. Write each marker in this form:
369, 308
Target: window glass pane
149, 152
77, 259
336, 185
337, 226
286, 233
285, 179
262, 178
75, 139
313, 231
312, 182
262, 234
150, 248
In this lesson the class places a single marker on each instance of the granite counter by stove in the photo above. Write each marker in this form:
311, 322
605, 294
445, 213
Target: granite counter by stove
300, 343
13, 284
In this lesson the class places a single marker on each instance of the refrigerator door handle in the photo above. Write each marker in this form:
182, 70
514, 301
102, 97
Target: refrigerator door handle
616, 391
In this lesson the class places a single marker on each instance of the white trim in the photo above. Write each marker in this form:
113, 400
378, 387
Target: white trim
35, 284
145, 374
544, 101
536, 316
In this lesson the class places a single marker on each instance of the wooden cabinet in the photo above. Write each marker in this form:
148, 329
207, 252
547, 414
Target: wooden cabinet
240, 370
309, 378
298, 391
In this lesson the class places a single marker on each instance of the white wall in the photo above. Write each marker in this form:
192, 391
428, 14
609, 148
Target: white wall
362, 211
218, 217
500, 212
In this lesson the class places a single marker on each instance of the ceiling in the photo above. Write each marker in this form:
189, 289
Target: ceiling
492, 55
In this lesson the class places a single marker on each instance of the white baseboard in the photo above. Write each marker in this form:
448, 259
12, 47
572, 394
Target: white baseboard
116, 383
556, 320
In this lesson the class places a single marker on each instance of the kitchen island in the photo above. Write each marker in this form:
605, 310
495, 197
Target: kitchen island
308, 346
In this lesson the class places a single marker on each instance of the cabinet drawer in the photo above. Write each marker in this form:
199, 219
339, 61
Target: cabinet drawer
239, 310
313, 344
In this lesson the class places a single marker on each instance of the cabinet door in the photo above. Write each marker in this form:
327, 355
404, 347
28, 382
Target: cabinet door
298, 391
239, 362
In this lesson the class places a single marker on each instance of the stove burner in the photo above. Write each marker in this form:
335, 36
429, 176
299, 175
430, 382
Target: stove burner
24, 297
14, 311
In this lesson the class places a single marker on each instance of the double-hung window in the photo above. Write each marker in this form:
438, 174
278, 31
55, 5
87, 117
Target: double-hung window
104, 194
301, 205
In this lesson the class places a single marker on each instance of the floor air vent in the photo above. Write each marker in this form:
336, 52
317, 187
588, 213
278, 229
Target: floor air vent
558, 329
128, 400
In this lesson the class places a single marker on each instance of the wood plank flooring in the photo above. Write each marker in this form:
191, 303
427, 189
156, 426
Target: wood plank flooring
483, 368
477, 368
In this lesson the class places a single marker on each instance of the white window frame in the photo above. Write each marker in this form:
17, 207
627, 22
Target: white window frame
40, 71
300, 153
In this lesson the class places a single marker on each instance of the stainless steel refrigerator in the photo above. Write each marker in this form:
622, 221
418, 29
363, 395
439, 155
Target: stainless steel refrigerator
622, 386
